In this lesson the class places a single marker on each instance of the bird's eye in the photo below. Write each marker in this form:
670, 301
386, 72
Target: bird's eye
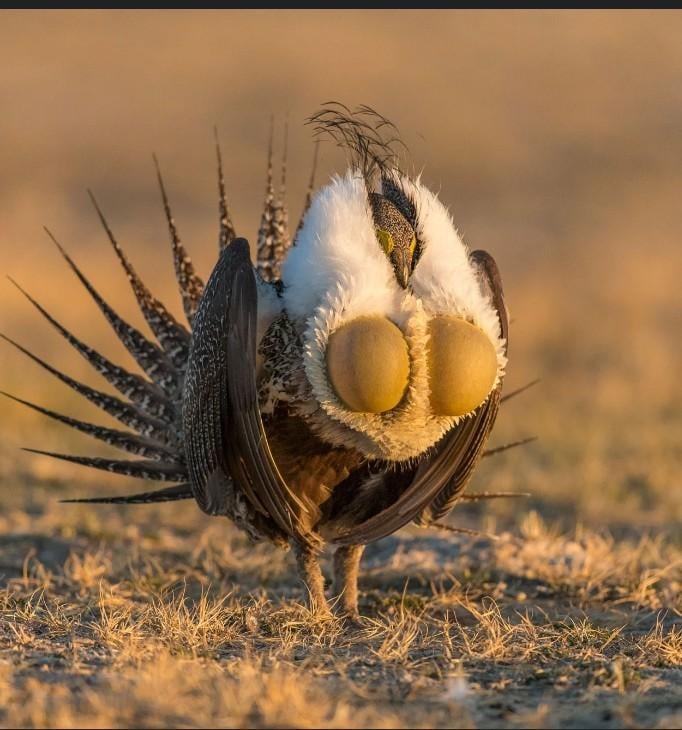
413, 244
385, 239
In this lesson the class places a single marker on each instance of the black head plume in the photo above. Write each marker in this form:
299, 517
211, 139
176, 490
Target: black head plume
370, 137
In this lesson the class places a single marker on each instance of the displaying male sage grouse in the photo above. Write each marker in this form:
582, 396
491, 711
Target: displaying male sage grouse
342, 388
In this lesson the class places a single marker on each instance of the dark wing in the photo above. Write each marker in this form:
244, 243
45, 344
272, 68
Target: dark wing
225, 440
438, 480
490, 278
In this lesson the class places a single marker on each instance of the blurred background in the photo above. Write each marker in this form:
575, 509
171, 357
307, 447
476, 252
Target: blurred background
554, 137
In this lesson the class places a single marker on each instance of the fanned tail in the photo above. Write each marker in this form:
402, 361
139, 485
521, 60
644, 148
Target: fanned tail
152, 406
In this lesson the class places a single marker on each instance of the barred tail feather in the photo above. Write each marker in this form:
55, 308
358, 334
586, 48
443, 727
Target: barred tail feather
169, 494
281, 214
463, 531
273, 234
191, 285
144, 469
481, 496
227, 230
520, 390
124, 440
511, 445
266, 233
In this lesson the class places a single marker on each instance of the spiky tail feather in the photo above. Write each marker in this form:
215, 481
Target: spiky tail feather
143, 469
520, 390
191, 285
309, 191
511, 445
480, 496
169, 494
463, 531
124, 440
227, 230
273, 238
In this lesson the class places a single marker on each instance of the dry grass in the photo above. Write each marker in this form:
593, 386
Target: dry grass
555, 137
105, 630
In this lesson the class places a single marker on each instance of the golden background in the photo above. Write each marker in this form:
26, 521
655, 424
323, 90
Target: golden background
554, 137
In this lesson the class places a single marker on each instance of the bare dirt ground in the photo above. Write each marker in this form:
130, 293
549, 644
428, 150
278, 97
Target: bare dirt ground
555, 139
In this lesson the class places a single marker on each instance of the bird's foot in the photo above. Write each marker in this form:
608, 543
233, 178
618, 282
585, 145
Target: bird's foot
352, 620
346, 611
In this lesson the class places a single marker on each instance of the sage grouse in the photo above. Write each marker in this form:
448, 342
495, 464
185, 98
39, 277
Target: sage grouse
342, 388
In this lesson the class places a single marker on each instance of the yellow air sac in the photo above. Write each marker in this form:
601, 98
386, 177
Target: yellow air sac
368, 364
462, 366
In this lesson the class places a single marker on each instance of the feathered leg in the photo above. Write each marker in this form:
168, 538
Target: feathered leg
346, 567
309, 570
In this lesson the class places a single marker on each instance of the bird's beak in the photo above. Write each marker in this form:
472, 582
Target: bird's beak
401, 261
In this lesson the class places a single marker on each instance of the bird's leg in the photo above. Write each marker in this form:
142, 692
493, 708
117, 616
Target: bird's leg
346, 566
309, 570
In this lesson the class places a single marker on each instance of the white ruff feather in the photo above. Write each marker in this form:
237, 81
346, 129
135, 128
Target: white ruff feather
336, 244
337, 272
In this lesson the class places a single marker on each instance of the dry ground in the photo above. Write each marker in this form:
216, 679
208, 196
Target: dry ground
159, 617
555, 138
